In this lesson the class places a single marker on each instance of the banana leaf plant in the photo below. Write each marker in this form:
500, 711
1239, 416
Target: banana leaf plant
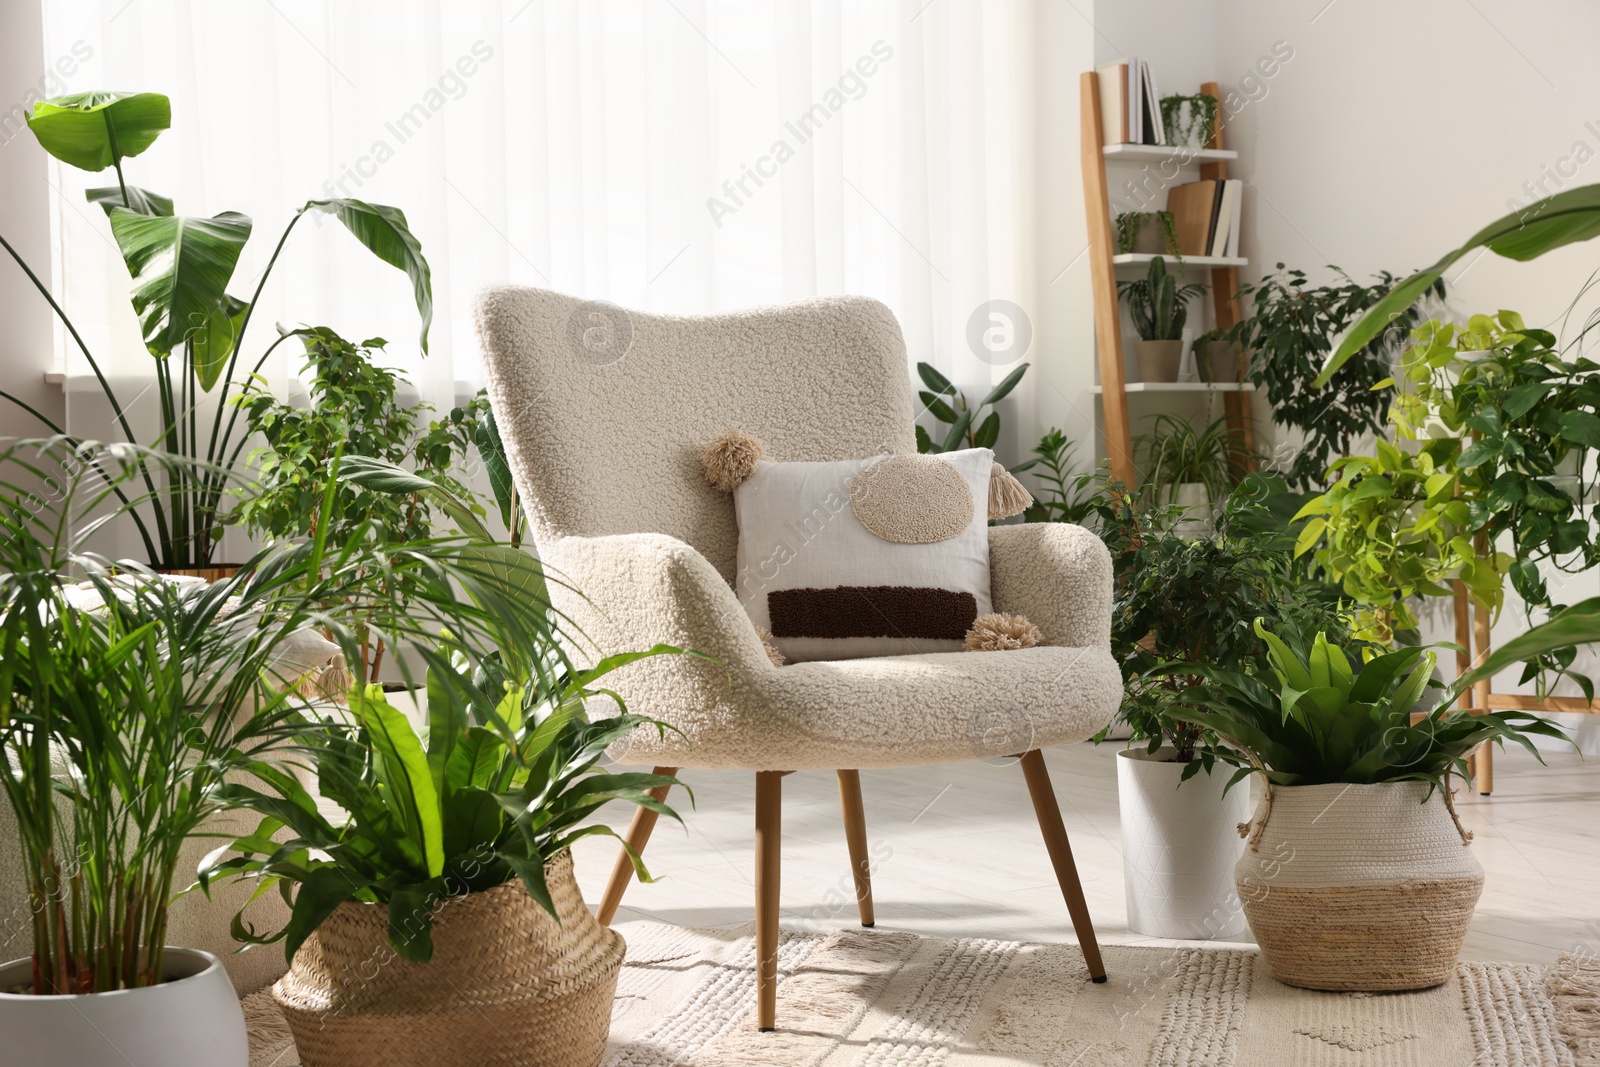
1324, 716
192, 326
1528, 233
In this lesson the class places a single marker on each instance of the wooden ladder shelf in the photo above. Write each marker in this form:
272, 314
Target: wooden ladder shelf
1107, 315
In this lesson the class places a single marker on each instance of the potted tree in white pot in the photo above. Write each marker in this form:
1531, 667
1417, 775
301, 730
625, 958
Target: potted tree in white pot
129, 702
1357, 874
437, 920
1182, 600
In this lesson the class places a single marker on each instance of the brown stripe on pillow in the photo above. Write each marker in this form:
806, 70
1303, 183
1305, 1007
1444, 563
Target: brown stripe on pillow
872, 611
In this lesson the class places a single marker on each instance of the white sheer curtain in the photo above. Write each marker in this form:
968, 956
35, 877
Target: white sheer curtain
679, 155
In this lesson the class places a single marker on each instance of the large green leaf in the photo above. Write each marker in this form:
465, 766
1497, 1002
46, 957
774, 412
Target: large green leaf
315, 900
402, 769
93, 131
493, 451
181, 268
384, 231
1577, 625
1563, 219
140, 200
213, 343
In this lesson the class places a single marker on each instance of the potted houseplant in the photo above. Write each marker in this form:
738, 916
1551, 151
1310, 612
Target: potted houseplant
131, 702
1151, 232
1159, 309
1189, 600
968, 426
1187, 466
1189, 120
1357, 875
437, 920
1218, 357
181, 268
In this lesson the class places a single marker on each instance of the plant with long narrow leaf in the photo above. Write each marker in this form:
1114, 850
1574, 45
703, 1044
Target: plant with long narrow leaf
181, 267
1322, 715
1568, 217
127, 700
506, 779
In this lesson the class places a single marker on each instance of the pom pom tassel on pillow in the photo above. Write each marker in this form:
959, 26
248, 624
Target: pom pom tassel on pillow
1007, 496
1002, 633
732, 458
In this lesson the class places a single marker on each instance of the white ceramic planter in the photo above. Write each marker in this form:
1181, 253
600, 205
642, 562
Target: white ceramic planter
1179, 848
1197, 498
192, 1019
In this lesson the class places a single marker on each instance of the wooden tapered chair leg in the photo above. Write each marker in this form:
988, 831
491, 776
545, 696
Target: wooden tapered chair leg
1055, 841
855, 835
644, 821
769, 826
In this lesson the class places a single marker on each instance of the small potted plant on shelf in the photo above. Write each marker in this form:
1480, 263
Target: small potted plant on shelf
1356, 875
1159, 308
436, 919
1190, 600
1151, 232
1189, 120
1219, 358
132, 703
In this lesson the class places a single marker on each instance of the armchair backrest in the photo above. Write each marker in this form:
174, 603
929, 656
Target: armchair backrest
606, 412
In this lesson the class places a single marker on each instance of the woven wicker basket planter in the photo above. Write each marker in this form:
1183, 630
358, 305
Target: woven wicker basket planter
507, 986
1359, 887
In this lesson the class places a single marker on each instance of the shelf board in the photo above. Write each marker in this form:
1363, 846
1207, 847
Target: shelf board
1167, 151
1185, 387
1130, 259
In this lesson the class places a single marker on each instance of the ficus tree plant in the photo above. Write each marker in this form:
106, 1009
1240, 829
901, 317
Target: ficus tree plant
181, 268
1290, 331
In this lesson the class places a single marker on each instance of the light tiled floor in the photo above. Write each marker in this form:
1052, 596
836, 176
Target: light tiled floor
958, 853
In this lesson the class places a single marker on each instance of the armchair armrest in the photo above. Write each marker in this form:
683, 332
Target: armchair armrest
627, 592
1056, 574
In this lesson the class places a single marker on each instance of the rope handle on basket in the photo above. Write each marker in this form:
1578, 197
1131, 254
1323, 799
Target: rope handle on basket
1266, 798
1450, 806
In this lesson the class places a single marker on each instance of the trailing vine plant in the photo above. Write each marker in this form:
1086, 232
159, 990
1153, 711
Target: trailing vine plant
1189, 120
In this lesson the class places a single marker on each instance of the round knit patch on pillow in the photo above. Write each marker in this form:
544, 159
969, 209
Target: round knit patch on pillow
912, 500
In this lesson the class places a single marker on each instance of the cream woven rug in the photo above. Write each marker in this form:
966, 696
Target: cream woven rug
884, 999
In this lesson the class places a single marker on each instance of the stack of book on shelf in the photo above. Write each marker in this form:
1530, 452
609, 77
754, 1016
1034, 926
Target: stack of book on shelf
1130, 107
1205, 216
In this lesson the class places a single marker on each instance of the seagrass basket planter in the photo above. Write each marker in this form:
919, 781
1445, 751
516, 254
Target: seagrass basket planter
506, 987
1358, 887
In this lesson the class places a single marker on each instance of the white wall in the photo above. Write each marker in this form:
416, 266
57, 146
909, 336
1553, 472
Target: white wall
26, 333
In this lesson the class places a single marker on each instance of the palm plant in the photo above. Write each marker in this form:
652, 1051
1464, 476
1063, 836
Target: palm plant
1158, 303
181, 268
128, 701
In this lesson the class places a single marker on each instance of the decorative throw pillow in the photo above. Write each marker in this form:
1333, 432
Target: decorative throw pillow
870, 557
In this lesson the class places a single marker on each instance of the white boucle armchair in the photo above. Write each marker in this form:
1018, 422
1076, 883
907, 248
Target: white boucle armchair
605, 414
